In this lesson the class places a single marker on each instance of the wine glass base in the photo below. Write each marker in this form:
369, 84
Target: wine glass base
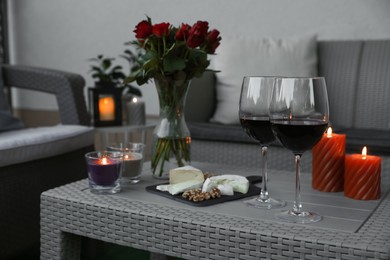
269, 203
304, 217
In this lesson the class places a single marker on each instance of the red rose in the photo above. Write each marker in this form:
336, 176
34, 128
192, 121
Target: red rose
183, 32
143, 30
161, 29
213, 40
198, 34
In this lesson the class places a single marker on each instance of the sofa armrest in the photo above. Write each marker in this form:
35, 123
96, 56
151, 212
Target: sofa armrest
67, 87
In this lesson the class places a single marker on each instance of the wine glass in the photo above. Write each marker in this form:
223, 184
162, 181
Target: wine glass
254, 117
299, 114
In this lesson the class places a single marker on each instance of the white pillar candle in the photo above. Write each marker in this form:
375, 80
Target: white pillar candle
135, 109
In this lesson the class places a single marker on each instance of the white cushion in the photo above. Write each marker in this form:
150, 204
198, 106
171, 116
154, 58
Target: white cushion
29, 144
245, 56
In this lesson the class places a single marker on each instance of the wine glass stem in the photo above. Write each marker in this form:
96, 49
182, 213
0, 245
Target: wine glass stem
264, 191
297, 208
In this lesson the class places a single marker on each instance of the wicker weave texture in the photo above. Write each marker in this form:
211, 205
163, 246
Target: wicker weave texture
339, 64
231, 153
194, 234
373, 90
67, 87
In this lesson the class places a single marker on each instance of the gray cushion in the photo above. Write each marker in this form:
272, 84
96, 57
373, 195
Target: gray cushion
29, 144
218, 132
221, 133
7, 121
339, 64
373, 88
377, 141
200, 103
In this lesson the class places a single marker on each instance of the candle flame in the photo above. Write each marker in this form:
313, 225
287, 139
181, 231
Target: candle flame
135, 100
329, 132
106, 108
104, 160
364, 152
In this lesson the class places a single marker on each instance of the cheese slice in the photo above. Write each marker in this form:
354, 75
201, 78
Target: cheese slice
239, 183
226, 189
184, 186
163, 187
184, 174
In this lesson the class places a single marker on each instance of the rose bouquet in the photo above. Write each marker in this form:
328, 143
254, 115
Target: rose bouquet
166, 50
172, 56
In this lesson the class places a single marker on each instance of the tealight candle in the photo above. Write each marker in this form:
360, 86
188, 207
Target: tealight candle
133, 159
132, 167
328, 162
362, 179
104, 169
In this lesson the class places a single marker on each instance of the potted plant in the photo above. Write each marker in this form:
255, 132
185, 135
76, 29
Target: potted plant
109, 85
108, 75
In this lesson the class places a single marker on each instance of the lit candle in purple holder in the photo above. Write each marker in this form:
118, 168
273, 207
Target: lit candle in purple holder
104, 169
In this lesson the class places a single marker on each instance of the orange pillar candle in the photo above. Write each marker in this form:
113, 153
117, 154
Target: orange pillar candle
328, 162
106, 108
362, 180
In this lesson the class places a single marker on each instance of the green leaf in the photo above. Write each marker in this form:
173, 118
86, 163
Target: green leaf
171, 49
117, 75
97, 69
198, 54
129, 79
95, 75
106, 63
152, 63
117, 67
141, 81
133, 90
173, 63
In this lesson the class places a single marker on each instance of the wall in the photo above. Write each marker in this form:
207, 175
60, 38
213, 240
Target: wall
62, 34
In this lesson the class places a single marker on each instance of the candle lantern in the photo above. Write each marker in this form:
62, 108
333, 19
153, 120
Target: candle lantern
328, 162
362, 179
105, 105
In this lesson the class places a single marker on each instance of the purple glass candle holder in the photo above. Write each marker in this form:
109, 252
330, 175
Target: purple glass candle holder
104, 171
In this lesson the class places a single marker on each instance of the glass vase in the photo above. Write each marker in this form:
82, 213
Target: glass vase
171, 136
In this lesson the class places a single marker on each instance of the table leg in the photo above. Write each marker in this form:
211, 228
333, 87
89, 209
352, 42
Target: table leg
56, 244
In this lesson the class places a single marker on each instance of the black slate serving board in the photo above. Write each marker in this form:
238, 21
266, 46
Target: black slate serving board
253, 190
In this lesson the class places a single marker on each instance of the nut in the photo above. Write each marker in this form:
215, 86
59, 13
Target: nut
196, 195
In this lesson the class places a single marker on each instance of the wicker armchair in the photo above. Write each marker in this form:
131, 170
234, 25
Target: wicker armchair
35, 160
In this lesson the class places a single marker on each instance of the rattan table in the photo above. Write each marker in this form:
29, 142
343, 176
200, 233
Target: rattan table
350, 229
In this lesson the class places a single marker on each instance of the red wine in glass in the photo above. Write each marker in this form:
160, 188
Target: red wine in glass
258, 128
254, 117
299, 135
299, 114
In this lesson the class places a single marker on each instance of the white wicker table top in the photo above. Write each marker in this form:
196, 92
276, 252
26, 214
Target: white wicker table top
350, 229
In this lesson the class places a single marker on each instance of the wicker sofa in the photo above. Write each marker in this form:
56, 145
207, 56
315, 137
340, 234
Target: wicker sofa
358, 81
33, 160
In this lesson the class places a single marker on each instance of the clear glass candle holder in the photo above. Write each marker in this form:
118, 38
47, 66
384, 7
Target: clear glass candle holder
104, 171
133, 160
